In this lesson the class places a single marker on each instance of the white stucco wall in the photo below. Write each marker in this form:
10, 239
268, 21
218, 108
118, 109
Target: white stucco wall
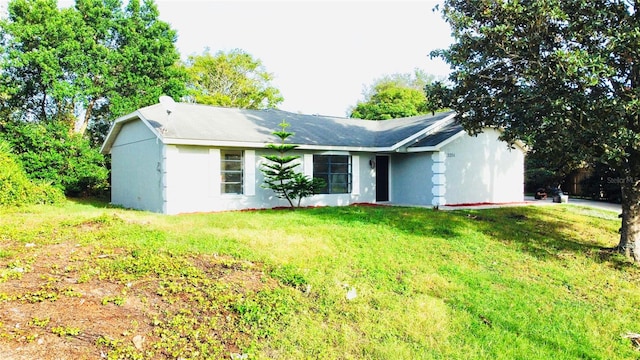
136, 179
192, 179
483, 169
148, 175
411, 179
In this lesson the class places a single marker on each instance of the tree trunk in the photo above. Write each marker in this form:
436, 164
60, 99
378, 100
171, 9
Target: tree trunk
87, 116
630, 231
285, 192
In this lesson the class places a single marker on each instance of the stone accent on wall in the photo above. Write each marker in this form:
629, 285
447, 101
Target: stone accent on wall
439, 179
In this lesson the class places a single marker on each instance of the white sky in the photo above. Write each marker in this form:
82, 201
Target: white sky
322, 53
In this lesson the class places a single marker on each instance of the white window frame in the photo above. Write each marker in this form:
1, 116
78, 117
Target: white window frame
224, 171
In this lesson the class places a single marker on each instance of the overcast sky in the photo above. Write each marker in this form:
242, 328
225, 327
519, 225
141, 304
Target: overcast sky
322, 53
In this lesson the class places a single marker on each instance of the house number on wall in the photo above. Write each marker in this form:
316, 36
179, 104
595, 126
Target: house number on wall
451, 155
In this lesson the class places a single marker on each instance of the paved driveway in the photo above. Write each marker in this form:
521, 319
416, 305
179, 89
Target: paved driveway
529, 200
581, 202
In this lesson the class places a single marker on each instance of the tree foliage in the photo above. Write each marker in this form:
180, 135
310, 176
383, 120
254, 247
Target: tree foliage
280, 174
50, 153
562, 75
68, 69
86, 65
15, 187
394, 96
231, 79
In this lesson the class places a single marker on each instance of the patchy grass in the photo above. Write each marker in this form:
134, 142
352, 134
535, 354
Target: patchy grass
85, 280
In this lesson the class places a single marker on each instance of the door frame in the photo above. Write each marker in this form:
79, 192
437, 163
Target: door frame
382, 183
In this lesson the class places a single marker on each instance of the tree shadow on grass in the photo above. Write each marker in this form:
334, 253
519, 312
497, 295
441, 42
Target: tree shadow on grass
100, 203
543, 232
550, 232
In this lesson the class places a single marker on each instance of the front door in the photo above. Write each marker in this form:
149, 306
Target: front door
382, 178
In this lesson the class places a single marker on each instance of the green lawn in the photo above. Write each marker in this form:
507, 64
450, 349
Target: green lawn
511, 283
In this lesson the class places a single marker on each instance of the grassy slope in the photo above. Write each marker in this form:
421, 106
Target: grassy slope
530, 283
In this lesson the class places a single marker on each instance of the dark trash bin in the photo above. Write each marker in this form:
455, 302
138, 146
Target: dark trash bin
540, 194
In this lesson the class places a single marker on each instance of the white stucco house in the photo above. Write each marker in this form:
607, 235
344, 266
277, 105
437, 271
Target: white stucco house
198, 158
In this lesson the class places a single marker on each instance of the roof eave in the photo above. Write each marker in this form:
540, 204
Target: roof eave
369, 149
523, 147
423, 149
451, 139
117, 126
518, 143
115, 130
261, 145
422, 133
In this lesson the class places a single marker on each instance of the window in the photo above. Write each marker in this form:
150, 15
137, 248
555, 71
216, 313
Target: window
231, 171
335, 170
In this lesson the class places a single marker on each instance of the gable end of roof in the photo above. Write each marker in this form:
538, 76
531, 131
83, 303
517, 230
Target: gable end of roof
117, 126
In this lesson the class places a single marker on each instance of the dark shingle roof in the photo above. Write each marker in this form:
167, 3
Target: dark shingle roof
392, 131
201, 122
445, 132
210, 124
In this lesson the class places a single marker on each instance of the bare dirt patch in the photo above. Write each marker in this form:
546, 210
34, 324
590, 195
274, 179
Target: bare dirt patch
65, 301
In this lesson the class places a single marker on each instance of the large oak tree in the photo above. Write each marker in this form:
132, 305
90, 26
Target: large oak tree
562, 75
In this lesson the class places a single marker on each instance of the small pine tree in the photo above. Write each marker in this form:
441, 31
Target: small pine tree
280, 175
